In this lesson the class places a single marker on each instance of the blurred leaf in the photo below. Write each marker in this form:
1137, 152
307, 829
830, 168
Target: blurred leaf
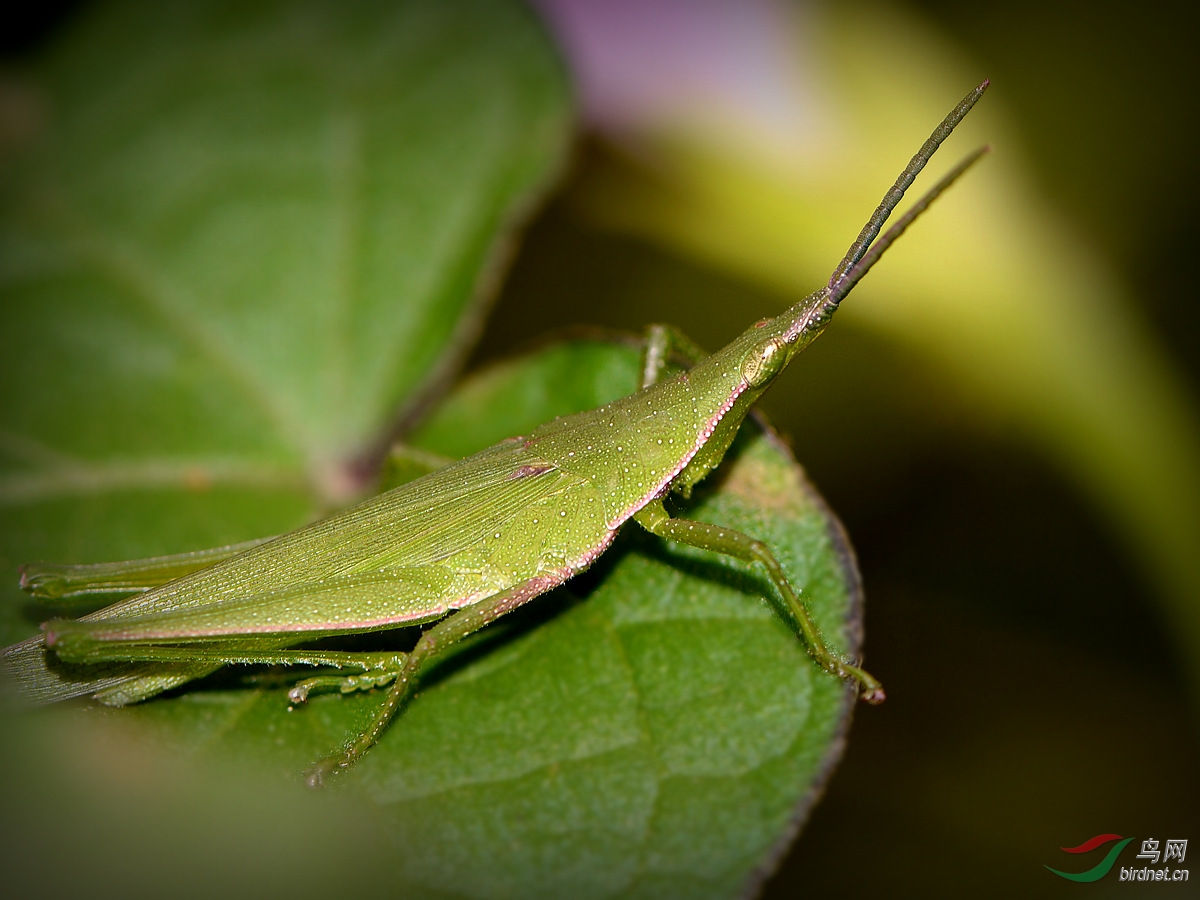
235, 242
1032, 337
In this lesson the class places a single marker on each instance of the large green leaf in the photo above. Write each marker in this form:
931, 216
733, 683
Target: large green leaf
671, 728
652, 729
235, 241
239, 242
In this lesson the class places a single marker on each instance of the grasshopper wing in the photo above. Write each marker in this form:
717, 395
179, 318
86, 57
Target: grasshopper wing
466, 532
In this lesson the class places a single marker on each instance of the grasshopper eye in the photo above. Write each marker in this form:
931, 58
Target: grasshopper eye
763, 363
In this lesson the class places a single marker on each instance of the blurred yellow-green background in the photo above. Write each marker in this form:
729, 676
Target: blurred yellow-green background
1004, 415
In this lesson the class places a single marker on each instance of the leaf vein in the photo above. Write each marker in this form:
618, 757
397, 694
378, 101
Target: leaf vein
147, 286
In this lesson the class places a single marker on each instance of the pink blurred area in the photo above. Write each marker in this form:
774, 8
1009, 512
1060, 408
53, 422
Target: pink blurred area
653, 65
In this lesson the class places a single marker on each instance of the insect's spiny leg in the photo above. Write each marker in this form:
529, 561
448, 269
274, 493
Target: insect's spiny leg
431, 645
718, 539
376, 677
654, 359
115, 651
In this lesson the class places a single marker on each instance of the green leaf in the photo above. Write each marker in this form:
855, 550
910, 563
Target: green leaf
236, 242
653, 728
672, 729
209, 319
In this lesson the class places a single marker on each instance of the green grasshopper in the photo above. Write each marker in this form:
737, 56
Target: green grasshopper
464, 544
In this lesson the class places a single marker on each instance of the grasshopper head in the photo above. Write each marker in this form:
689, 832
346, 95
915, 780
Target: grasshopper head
771, 343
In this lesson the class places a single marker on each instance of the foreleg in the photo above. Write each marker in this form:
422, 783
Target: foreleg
728, 542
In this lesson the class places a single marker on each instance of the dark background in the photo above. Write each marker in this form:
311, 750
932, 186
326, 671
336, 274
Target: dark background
1035, 698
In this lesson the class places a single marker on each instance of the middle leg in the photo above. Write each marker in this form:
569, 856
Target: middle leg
431, 646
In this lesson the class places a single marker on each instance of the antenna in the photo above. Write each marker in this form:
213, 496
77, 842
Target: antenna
852, 277
892, 198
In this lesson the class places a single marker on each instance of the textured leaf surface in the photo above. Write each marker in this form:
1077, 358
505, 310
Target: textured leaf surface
692, 728
653, 729
232, 244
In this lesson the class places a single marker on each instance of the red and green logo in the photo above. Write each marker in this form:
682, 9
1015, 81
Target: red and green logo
1098, 871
